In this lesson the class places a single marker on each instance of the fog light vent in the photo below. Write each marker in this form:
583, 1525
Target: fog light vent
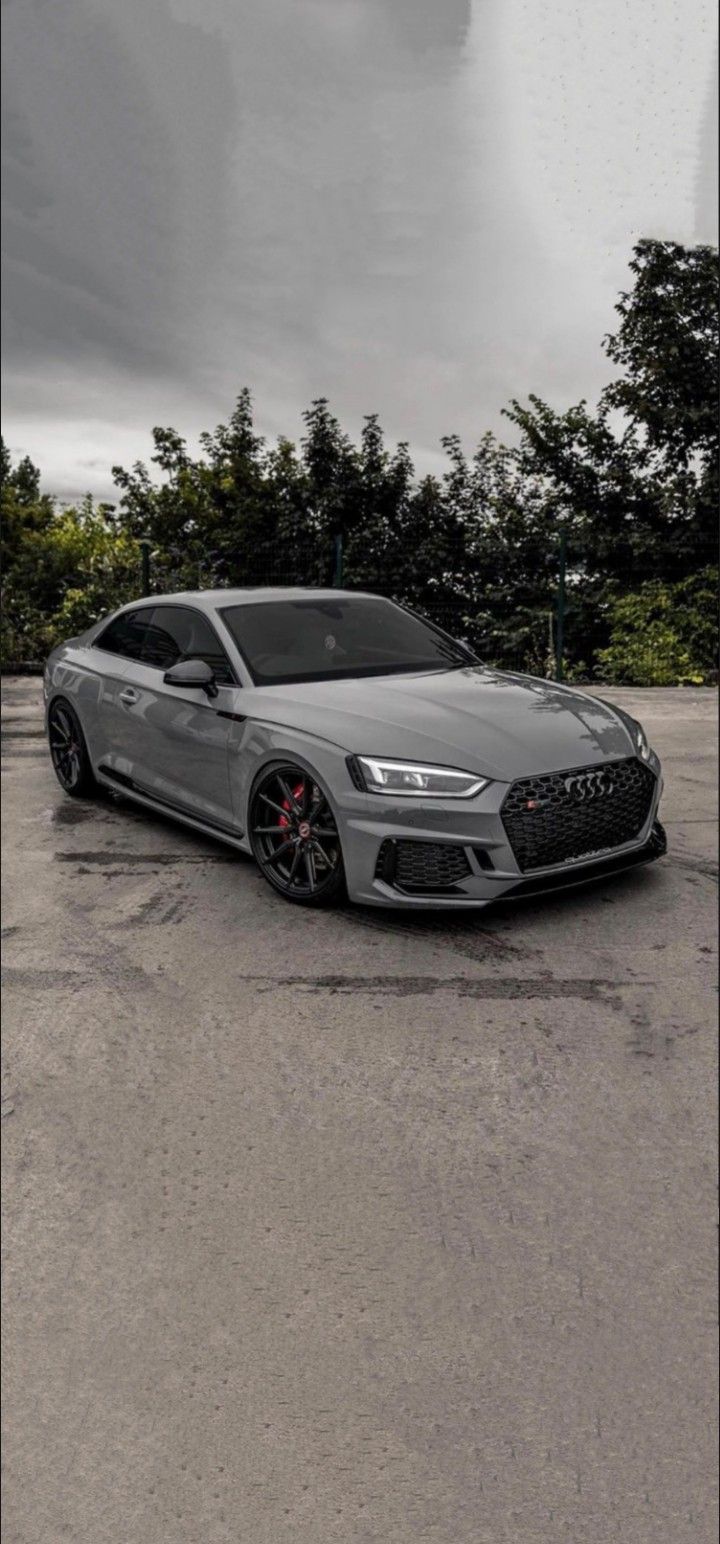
421, 867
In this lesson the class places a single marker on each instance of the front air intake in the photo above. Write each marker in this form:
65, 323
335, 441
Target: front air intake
421, 868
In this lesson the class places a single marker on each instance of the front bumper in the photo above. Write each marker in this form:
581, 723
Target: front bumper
371, 827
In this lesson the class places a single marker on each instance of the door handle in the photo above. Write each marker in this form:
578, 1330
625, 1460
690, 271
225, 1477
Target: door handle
129, 696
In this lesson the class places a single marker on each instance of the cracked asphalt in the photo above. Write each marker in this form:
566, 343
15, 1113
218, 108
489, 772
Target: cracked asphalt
353, 1226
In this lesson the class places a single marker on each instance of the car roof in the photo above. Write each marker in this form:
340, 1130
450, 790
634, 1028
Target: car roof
212, 600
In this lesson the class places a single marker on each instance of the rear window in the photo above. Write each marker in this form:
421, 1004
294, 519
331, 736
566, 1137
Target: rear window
126, 634
327, 639
159, 636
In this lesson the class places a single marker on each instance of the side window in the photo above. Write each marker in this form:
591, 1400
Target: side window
126, 634
179, 632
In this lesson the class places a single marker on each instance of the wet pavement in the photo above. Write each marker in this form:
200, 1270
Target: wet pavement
354, 1226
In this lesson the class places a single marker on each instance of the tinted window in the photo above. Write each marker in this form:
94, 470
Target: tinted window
126, 634
320, 640
179, 632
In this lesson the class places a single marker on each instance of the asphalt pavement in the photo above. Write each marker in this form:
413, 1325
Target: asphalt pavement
354, 1226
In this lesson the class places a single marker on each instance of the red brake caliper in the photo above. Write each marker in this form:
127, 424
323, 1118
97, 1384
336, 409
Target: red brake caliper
296, 793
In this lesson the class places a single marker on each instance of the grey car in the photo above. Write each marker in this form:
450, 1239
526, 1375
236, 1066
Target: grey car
352, 747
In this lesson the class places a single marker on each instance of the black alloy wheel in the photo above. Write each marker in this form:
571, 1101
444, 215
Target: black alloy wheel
69, 752
295, 838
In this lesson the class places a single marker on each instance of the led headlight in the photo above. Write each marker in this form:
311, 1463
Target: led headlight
416, 781
641, 743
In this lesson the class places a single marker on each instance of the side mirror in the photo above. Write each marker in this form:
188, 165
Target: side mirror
193, 673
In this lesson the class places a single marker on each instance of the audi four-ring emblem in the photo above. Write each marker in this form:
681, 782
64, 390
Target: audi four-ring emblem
585, 786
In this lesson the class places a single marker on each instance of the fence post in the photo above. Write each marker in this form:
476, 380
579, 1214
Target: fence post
337, 561
145, 544
560, 631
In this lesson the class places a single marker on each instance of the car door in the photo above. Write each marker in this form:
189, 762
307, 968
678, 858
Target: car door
109, 655
178, 737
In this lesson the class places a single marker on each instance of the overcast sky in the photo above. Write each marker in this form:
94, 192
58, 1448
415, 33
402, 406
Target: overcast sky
414, 207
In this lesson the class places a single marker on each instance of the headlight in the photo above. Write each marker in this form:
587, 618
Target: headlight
409, 778
641, 743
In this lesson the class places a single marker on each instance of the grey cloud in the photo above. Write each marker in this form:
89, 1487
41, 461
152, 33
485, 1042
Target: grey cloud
306, 196
706, 202
113, 158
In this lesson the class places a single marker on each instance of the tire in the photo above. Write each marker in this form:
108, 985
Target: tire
294, 836
68, 751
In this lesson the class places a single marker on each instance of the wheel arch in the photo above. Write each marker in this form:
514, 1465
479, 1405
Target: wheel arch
263, 744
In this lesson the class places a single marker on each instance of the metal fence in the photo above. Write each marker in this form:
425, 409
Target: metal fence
445, 598
540, 641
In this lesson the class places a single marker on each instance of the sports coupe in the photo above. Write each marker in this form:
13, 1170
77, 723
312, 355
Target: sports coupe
352, 747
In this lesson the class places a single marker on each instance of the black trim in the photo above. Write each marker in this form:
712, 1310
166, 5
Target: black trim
117, 777
386, 864
176, 809
237, 718
355, 771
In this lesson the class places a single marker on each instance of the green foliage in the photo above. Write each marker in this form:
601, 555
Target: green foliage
61, 569
667, 348
664, 634
633, 482
636, 481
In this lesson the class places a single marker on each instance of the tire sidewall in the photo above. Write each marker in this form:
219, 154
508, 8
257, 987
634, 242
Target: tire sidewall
86, 784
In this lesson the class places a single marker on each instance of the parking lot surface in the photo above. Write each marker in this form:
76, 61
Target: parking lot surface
353, 1225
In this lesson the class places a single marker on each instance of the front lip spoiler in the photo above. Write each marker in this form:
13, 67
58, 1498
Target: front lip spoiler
604, 868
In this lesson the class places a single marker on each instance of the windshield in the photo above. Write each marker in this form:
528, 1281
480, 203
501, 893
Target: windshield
325, 640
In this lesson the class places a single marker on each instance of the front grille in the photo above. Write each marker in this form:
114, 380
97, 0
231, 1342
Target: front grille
558, 817
421, 866
587, 873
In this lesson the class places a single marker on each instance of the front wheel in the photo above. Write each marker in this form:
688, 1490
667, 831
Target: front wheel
294, 836
68, 751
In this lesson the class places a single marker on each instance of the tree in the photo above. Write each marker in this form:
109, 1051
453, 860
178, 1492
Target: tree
640, 494
667, 347
62, 569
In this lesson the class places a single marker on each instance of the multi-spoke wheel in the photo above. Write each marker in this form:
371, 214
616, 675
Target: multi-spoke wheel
294, 836
69, 751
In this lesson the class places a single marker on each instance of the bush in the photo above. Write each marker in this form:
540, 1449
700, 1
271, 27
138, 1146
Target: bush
60, 575
663, 634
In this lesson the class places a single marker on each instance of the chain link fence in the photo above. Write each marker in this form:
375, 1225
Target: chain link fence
544, 623
547, 623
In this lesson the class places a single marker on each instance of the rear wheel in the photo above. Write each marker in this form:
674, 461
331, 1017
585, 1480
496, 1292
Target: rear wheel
295, 838
68, 751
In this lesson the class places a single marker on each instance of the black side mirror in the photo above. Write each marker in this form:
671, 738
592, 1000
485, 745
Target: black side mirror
192, 673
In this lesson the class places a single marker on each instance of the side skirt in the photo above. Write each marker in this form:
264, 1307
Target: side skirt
120, 783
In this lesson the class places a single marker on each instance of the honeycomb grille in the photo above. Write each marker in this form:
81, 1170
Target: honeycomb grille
421, 865
560, 816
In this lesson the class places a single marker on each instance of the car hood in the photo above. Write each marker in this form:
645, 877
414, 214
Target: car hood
500, 725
